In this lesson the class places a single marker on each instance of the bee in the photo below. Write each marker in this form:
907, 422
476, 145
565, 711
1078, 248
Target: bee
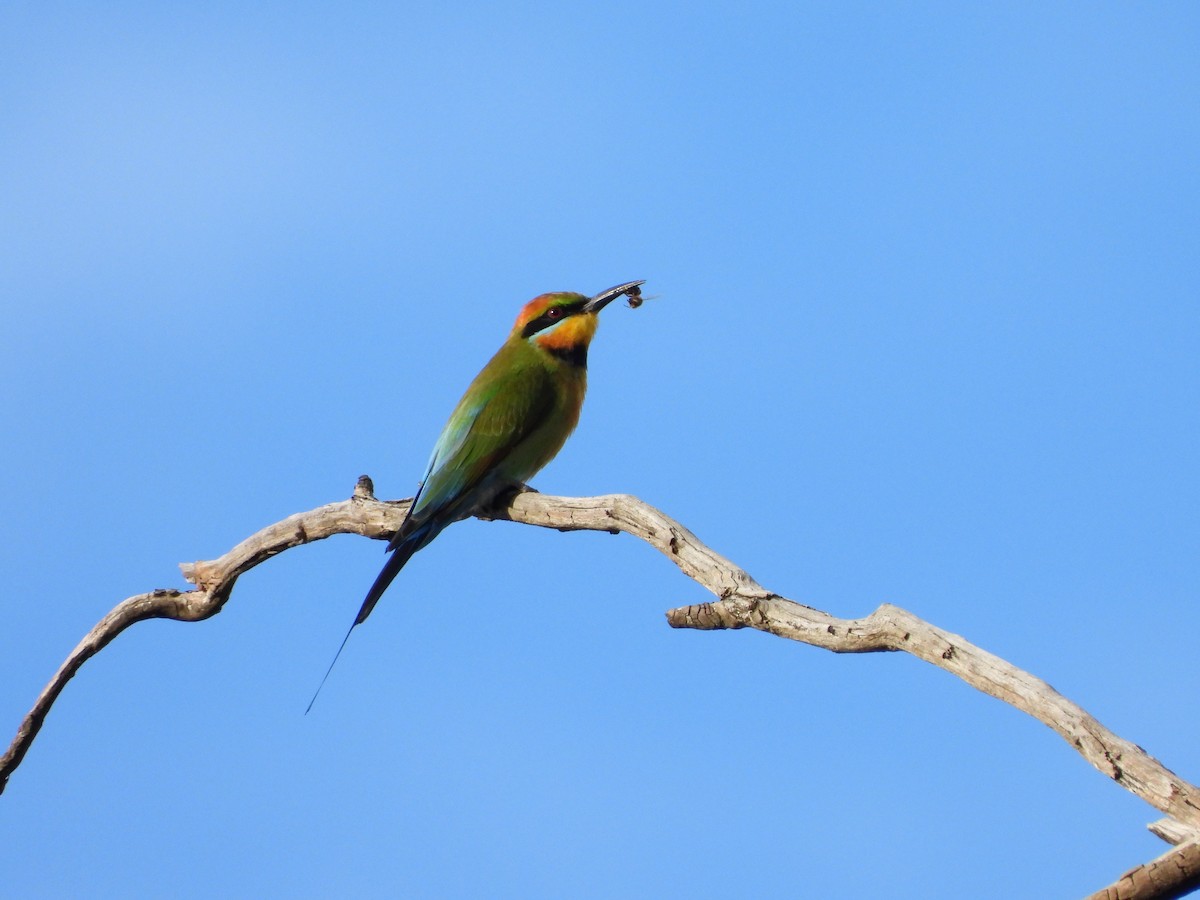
633, 297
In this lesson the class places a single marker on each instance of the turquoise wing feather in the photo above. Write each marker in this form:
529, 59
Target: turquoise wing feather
503, 408
492, 420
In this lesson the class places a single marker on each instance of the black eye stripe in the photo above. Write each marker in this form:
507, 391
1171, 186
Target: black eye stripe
545, 320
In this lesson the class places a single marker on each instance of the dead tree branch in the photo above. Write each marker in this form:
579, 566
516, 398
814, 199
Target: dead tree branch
740, 603
1174, 874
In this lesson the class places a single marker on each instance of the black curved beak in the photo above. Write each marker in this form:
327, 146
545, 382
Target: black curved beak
602, 299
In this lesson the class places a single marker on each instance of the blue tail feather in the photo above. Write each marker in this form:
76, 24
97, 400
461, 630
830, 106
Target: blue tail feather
401, 552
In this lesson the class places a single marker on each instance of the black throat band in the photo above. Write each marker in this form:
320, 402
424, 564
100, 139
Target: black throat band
572, 356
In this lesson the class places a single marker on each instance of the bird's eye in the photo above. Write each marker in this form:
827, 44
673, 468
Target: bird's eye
554, 312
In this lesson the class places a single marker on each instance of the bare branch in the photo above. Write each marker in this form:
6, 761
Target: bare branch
1173, 832
891, 628
1173, 874
744, 603
741, 603
214, 580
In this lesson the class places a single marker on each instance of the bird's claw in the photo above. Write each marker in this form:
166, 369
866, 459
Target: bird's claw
498, 507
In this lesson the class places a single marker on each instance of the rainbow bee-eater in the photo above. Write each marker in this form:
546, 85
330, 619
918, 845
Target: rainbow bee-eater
513, 419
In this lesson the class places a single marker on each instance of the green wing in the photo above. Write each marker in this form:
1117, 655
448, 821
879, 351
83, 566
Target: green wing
501, 409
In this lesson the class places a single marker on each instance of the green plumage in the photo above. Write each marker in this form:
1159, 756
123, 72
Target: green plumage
512, 420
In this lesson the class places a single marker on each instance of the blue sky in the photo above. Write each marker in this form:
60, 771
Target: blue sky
927, 333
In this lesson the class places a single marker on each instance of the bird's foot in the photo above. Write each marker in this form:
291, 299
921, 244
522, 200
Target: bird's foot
498, 507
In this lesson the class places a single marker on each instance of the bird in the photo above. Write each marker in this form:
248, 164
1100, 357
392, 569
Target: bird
513, 419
